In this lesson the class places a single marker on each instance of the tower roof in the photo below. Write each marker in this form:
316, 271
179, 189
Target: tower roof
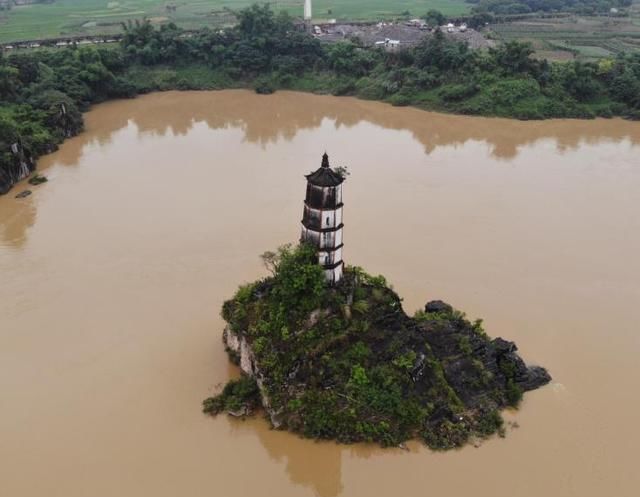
324, 175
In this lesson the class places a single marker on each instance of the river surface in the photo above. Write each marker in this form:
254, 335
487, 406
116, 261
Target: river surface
113, 273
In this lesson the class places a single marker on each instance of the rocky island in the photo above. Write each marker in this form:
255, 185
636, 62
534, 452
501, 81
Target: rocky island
345, 362
328, 351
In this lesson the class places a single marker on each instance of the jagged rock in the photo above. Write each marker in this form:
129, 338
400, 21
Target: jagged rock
504, 346
314, 317
24, 193
20, 161
438, 306
496, 361
536, 377
37, 180
237, 343
18, 165
243, 411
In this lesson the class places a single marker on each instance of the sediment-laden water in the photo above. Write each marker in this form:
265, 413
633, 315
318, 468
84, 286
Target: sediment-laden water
112, 275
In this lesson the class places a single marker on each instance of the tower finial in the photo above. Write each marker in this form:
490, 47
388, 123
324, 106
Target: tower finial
325, 160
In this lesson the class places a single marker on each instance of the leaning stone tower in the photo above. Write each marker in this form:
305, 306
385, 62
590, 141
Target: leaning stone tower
322, 218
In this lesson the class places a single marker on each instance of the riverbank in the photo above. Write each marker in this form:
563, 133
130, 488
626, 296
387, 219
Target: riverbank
44, 92
514, 99
168, 79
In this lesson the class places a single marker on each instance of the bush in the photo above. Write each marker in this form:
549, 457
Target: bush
489, 423
239, 396
512, 92
370, 89
514, 393
454, 93
343, 87
264, 86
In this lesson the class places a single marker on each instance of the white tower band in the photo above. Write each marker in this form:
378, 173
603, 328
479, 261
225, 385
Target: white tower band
322, 218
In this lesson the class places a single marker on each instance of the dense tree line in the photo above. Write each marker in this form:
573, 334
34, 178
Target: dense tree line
44, 92
509, 7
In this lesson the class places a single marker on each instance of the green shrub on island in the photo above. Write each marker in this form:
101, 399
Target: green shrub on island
239, 397
346, 363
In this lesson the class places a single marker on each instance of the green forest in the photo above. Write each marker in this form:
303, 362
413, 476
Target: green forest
44, 92
528, 6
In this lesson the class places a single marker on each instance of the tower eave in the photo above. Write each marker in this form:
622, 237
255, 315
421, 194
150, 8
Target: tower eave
323, 177
331, 249
333, 266
322, 230
334, 208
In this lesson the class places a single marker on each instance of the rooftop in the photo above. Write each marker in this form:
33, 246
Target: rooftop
324, 175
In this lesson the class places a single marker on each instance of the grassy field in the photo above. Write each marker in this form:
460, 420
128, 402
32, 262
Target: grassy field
576, 37
77, 17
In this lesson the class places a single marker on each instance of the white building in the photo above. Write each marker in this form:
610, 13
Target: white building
322, 219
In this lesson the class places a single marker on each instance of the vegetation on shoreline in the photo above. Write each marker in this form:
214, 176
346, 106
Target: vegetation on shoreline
346, 363
44, 92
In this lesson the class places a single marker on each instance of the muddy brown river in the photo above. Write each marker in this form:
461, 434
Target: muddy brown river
113, 273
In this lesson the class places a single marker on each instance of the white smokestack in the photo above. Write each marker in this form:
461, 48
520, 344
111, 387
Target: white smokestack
307, 10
